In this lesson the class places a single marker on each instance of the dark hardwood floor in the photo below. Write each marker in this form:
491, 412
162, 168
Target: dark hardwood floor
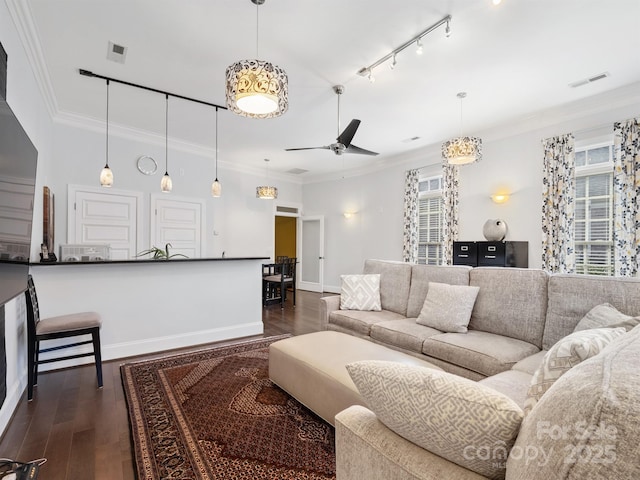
83, 432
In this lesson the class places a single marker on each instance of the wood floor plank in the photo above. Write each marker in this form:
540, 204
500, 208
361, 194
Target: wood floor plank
84, 431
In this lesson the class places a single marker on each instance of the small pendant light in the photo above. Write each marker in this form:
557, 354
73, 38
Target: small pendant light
166, 184
216, 187
106, 175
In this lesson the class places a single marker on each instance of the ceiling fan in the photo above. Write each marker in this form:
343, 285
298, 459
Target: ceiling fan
343, 142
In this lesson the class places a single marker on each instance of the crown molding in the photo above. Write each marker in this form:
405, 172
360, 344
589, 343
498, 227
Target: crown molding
22, 17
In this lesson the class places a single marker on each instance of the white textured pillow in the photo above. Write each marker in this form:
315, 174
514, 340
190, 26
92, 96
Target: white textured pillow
360, 292
448, 307
458, 419
567, 353
605, 315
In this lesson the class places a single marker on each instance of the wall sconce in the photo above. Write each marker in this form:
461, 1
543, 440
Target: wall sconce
500, 197
349, 214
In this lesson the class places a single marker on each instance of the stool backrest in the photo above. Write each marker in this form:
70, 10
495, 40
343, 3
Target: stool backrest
33, 312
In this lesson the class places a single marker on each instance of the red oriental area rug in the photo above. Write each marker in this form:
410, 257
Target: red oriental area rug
214, 414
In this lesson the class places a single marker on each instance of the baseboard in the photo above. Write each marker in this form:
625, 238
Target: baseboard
158, 344
332, 289
14, 393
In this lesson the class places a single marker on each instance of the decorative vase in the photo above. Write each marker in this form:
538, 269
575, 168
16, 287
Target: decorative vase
494, 230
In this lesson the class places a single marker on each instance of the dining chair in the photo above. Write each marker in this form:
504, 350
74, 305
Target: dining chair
276, 284
62, 326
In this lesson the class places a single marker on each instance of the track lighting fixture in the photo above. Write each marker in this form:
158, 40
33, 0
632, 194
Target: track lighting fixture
166, 185
106, 175
216, 186
367, 71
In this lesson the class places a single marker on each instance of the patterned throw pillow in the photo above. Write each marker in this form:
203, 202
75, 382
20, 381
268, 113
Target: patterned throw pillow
606, 315
463, 421
448, 307
360, 292
568, 352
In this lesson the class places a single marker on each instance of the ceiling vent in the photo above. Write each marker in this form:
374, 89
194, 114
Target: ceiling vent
585, 81
297, 171
116, 53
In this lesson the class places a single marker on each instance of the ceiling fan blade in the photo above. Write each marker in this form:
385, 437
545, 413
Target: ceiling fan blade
353, 149
347, 134
307, 148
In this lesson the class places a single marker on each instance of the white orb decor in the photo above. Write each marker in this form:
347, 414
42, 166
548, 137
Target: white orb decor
494, 230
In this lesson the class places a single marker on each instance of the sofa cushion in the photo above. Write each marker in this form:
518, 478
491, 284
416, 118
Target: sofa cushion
511, 302
572, 296
395, 280
566, 354
482, 352
605, 315
404, 333
531, 363
512, 383
359, 321
453, 417
360, 292
448, 307
588, 422
421, 275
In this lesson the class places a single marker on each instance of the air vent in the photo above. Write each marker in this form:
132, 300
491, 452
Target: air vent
585, 81
116, 53
297, 171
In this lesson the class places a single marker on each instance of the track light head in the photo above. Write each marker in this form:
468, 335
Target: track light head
393, 63
371, 78
419, 47
447, 29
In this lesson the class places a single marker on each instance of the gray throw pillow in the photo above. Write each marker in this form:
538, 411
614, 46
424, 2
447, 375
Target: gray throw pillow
606, 315
564, 355
448, 307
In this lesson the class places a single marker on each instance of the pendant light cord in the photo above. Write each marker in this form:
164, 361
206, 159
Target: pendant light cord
216, 144
257, 29
166, 135
107, 139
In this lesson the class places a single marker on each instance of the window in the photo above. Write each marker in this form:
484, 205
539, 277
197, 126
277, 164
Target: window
594, 210
430, 220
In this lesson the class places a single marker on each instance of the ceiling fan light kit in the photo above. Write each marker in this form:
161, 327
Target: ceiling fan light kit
256, 88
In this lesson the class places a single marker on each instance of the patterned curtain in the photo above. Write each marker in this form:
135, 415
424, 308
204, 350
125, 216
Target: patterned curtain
558, 195
626, 195
450, 201
411, 226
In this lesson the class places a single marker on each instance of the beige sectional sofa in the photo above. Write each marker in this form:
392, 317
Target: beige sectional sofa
518, 315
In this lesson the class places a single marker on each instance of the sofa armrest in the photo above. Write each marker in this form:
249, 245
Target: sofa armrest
366, 448
328, 305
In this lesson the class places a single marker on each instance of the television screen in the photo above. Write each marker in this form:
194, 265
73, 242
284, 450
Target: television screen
18, 160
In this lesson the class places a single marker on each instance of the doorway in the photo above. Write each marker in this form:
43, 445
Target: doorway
286, 244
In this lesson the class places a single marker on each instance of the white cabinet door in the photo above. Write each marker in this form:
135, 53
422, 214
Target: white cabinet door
180, 222
100, 216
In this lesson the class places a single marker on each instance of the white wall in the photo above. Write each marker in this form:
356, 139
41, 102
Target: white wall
243, 223
26, 101
512, 159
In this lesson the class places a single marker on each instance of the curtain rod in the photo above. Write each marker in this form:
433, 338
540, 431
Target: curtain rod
87, 73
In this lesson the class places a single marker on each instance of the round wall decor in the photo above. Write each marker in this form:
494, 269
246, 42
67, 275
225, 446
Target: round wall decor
147, 165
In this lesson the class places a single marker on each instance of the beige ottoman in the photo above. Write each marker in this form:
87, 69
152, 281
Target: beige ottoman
311, 368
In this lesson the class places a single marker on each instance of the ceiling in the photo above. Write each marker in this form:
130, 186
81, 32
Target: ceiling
513, 60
